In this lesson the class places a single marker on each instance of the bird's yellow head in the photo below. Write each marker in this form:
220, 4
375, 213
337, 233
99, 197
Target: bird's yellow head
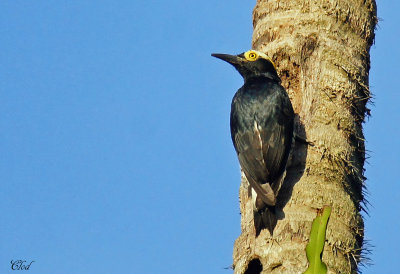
254, 55
251, 64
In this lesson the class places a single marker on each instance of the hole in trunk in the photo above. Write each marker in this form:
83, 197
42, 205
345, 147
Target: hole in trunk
254, 267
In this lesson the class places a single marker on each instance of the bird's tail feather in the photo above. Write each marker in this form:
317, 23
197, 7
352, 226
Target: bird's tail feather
265, 218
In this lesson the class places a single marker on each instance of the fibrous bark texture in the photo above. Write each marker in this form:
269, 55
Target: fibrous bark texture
321, 49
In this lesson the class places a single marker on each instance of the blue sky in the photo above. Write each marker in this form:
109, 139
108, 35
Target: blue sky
115, 148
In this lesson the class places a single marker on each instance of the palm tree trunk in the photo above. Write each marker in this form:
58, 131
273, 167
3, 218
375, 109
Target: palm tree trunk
321, 49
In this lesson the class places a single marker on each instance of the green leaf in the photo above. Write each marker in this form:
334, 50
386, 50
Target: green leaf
316, 244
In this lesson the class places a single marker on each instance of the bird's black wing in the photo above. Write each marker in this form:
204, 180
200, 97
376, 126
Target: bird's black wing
262, 131
276, 129
249, 150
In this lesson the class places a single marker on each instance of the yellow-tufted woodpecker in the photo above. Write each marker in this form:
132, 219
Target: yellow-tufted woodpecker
262, 122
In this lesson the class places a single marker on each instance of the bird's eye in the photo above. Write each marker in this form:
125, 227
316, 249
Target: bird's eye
251, 56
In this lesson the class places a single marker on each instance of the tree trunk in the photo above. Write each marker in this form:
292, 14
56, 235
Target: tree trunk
321, 49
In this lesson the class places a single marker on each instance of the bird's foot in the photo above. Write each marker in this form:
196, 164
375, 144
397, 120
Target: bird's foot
303, 140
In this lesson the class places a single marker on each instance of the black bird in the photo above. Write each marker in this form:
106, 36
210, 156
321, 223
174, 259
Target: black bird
262, 122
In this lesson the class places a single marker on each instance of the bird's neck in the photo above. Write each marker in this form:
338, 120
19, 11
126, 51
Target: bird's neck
267, 76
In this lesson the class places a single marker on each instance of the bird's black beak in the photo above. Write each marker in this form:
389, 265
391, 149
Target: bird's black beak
231, 59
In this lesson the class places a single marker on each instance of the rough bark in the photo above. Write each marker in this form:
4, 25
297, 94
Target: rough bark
321, 49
